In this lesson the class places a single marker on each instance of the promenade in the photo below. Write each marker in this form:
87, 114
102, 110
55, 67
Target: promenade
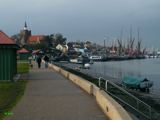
50, 96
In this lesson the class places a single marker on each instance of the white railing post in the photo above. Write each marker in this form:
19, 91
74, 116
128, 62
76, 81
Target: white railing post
106, 85
100, 82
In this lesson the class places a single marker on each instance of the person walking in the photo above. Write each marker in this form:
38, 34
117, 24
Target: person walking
46, 59
39, 60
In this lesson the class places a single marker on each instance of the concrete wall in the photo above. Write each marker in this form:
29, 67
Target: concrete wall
95, 89
110, 107
54, 67
64, 73
85, 85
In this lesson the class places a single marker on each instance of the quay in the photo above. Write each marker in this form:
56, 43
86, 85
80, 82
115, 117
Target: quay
50, 96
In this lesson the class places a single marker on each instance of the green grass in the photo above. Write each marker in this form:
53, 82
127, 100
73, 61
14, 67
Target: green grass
10, 94
22, 66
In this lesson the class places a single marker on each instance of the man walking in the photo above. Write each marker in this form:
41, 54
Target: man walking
46, 59
39, 60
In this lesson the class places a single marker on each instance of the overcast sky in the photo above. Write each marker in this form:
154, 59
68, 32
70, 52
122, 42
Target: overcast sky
93, 20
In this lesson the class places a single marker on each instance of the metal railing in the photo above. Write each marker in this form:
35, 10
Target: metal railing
131, 103
127, 99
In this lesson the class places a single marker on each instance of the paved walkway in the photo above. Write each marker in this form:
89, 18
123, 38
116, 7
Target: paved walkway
50, 96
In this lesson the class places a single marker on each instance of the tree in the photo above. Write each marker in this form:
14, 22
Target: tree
47, 40
59, 39
16, 37
38, 46
70, 45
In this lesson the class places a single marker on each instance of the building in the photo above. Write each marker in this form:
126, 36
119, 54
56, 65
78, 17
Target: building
23, 54
25, 33
27, 38
34, 39
8, 61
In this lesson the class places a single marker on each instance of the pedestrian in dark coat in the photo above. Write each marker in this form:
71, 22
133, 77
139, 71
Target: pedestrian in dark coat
46, 59
39, 60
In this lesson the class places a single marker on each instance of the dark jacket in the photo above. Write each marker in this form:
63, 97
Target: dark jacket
46, 58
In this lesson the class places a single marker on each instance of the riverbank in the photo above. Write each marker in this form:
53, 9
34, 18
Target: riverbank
121, 58
142, 96
150, 100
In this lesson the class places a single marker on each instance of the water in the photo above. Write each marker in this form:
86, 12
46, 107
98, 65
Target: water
145, 68
115, 70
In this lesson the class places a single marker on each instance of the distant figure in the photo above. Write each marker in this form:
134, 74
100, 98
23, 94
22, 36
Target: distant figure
83, 61
39, 61
34, 57
46, 59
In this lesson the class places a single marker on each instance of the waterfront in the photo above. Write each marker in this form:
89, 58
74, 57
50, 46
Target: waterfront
115, 70
146, 68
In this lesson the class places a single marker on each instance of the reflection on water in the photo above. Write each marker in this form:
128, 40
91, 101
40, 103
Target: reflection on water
147, 68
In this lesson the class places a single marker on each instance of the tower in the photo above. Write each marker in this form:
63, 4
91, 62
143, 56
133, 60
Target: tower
25, 26
24, 35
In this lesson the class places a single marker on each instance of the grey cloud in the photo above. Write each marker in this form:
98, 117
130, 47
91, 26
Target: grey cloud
83, 19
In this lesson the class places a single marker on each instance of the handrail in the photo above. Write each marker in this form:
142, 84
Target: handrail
129, 94
138, 101
128, 105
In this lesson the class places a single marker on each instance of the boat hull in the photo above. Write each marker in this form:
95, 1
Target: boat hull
136, 83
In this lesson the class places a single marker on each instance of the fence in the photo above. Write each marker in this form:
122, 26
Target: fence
141, 109
131, 103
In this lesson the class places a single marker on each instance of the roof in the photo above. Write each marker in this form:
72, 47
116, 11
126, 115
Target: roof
4, 39
35, 51
23, 50
35, 38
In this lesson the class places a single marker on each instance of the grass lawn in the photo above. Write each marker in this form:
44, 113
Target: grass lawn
22, 66
10, 93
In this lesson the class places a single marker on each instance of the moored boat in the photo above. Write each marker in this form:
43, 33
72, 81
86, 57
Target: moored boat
96, 58
137, 83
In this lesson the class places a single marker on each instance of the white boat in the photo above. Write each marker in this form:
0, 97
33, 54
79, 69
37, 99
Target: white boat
155, 56
146, 56
86, 65
95, 57
73, 60
151, 56
78, 61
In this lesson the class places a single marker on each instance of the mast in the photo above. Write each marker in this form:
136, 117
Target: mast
131, 41
25, 24
139, 41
